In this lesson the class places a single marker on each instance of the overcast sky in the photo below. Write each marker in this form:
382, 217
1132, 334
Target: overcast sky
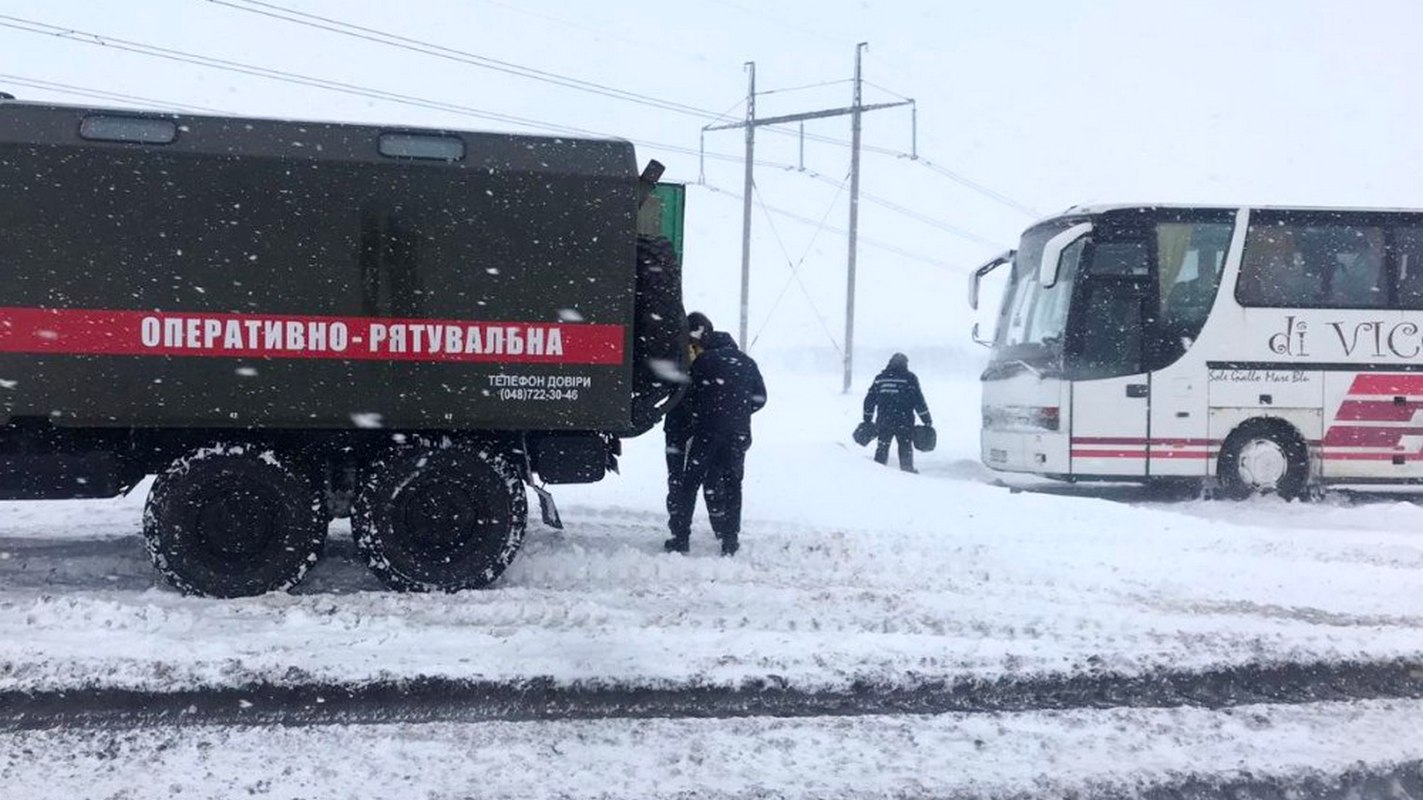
1044, 104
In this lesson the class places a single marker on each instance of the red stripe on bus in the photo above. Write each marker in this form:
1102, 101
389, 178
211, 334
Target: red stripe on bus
1328, 456
1110, 440
1387, 383
1367, 436
1377, 411
40, 331
1166, 454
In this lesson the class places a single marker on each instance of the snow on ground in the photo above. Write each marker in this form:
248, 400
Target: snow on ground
849, 571
1029, 754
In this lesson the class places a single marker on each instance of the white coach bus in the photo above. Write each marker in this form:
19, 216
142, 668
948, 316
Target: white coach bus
1264, 349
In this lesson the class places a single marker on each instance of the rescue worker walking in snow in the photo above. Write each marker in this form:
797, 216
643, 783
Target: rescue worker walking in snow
712, 425
896, 394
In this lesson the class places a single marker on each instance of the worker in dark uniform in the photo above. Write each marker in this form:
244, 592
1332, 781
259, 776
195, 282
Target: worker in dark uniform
677, 424
714, 423
896, 395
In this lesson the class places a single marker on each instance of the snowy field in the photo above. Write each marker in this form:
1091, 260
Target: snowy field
849, 572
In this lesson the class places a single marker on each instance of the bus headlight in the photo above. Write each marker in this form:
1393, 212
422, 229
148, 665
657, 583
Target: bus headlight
1048, 418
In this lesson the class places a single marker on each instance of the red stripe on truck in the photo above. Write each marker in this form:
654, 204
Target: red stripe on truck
41, 331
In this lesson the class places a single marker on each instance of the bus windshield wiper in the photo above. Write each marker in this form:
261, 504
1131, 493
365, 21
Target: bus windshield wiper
1037, 373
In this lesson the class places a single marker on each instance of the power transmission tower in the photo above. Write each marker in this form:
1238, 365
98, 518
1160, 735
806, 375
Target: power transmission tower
854, 111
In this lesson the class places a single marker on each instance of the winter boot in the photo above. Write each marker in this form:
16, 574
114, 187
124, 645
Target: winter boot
677, 544
729, 544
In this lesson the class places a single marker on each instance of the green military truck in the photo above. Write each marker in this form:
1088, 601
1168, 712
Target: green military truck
289, 321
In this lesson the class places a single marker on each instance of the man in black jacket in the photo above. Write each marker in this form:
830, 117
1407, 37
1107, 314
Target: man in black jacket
677, 424
711, 431
895, 392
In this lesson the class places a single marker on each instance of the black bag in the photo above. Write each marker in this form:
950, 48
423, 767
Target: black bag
864, 433
924, 437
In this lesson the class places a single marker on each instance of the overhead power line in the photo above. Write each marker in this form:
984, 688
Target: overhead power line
786, 89
956, 177
169, 54
154, 51
886, 91
682, 53
875, 243
160, 103
912, 214
332, 25
411, 44
100, 94
794, 266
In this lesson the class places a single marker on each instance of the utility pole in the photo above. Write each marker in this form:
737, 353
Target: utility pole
854, 224
752, 122
746, 202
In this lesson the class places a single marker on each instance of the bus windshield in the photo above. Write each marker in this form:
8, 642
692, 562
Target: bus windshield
1033, 319
1131, 295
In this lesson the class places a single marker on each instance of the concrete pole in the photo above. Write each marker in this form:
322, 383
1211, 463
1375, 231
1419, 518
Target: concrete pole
746, 203
855, 110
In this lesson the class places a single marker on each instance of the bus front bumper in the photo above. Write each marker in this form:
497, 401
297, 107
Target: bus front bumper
1038, 451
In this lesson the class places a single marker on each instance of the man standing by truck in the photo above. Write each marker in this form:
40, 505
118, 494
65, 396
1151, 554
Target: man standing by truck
714, 421
677, 424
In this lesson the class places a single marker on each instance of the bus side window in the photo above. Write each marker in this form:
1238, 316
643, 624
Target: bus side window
1270, 274
1189, 258
1107, 341
1327, 265
1350, 260
1119, 258
1408, 254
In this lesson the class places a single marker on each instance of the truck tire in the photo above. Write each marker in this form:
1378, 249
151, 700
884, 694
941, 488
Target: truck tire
233, 521
440, 519
1263, 456
659, 347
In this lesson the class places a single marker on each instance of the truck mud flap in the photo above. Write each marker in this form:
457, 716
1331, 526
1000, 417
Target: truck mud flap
548, 510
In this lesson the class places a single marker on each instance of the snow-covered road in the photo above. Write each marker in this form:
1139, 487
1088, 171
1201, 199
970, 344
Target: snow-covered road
850, 575
850, 572
1116, 753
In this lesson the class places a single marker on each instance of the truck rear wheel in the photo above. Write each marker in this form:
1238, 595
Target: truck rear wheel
233, 521
440, 519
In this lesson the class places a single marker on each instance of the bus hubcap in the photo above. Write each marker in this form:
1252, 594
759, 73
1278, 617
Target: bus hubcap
1263, 464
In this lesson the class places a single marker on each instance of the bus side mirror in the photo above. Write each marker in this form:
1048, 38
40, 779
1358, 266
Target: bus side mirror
977, 340
977, 277
1052, 252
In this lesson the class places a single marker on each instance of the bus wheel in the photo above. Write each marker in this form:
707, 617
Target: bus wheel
443, 519
233, 521
1263, 457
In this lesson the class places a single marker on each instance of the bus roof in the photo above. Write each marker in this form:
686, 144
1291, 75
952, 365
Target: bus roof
1102, 208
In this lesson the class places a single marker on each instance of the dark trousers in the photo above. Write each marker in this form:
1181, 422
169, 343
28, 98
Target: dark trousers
903, 435
713, 463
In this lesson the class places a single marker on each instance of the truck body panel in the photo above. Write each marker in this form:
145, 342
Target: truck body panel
204, 282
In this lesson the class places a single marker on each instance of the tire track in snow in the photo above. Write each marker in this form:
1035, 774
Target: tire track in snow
447, 700
1401, 781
